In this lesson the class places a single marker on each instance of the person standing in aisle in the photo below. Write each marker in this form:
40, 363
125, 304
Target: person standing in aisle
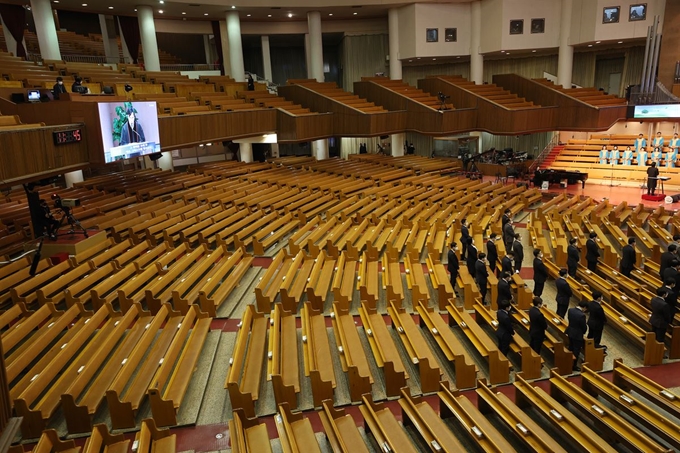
504, 291
564, 293
628, 257
507, 263
471, 257
505, 331
540, 273
482, 276
537, 325
592, 251
518, 250
492, 253
667, 258
661, 315
596, 319
464, 238
453, 265
573, 256
508, 234
576, 330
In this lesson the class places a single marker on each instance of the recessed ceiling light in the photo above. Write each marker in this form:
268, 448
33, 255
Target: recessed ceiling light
598, 42
433, 59
233, 7
161, 2
355, 13
507, 53
290, 14
457, 57
110, 7
330, 14
205, 14
56, 1
184, 12
620, 42
135, 9
160, 11
84, 4
533, 51
410, 61
247, 15
590, 45
502, 51
269, 15
418, 58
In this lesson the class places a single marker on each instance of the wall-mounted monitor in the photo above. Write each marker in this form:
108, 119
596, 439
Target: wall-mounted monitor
129, 129
638, 12
657, 111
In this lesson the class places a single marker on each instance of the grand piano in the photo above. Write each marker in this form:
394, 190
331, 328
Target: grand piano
555, 176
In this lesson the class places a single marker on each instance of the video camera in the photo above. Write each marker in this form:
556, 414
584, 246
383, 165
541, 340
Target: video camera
65, 204
442, 97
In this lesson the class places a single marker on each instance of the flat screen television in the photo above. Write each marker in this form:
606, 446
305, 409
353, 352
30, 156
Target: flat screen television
33, 95
657, 111
129, 129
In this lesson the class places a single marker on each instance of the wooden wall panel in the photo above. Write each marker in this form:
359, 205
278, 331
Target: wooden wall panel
296, 129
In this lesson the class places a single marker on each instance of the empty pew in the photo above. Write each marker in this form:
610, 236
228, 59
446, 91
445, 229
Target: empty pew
295, 431
245, 366
101, 440
320, 280
387, 431
341, 431
282, 364
248, 434
49, 442
352, 355
223, 281
152, 440
317, 354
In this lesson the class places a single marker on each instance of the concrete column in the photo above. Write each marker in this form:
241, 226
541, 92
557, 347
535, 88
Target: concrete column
238, 71
45, 29
147, 31
315, 47
308, 58
266, 58
565, 62
395, 62
207, 50
225, 47
476, 58
320, 149
73, 177
106, 24
246, 151
397, 144
275, 150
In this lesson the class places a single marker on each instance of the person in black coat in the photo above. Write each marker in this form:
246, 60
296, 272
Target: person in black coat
507, 263
576, 330
540, 273
592, 252
508, 234
667, 258
628, 257
505, 331
596, 319
464, 238
481, 275
492, 253
661, 315
564, 293
672, 297
472, 257
573, 257
506, 218
673, 271
504, 291
537, 325
58, 88
453, 265
518, 249
652, 175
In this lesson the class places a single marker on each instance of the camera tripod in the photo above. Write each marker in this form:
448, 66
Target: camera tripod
72, 221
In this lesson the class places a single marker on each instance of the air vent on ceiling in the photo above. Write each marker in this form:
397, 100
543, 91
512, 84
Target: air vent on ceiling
276, 7
357, 6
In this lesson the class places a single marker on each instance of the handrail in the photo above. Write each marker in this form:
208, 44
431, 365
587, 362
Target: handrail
190, 67
271, 86
543, 154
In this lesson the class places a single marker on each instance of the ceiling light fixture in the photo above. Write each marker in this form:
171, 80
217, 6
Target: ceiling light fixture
269, 15
355, 13
160, 11
184, 13
247, 15
205, 14
533, 51
330, 14
590, 45
290, 14
110, 7
85, 4
598, 42
433, 59
620, 42
161, 2
233, 7
56, 1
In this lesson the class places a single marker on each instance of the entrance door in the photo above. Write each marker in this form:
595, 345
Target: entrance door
614, 83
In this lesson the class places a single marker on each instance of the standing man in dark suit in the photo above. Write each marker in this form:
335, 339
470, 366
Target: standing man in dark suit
506, 218
508, 234
596, 319
504, 291
540, 273
564, 293
518, 249
628, 257
672, 297
592, 252
507, 263
481, 275
464, 238
505, 331
652, 176
573, 256
537, 325
576, 330
667, 258
661, 315
673, 271
492, 253
471, 257
453, 265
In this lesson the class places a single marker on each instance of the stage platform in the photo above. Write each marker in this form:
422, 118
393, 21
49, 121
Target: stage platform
653, 197
71, 244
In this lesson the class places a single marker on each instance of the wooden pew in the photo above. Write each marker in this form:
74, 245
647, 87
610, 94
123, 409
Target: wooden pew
49, 442
416, 346
248, 434
628, 379
367, 280
317, 354
26, 291
102, 440
643, 414
609, 423
341, 431
243, 383
153, 440
343, 282
384, 349
383, 425
499, 366
282, 364
295, 281
352, 355
169, 385
295, 431
582, 437
526, 430
320, 280
223, 281
464, 366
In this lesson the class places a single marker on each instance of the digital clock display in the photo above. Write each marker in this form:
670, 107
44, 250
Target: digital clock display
64, 137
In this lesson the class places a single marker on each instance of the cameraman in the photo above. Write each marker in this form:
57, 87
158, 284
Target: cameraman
49, 223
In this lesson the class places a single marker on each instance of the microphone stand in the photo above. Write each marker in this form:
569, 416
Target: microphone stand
36, 257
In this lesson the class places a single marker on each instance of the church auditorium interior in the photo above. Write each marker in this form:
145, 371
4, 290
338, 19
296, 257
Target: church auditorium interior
316, 226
